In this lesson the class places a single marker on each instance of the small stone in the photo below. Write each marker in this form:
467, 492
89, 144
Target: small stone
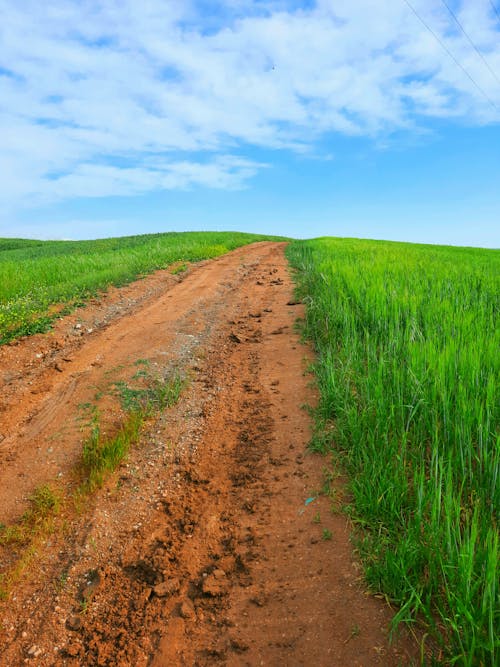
219, 574
187, 609
74, 623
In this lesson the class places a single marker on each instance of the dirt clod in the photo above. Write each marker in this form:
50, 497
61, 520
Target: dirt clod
187, 609
167, 588
215, 584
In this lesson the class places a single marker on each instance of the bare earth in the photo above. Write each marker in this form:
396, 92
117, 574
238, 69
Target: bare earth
211, 544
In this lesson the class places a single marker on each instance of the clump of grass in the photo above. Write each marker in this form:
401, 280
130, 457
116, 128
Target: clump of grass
36, 523
158, 393
326, 534
407, 339
102, 455
175, 269
44, 505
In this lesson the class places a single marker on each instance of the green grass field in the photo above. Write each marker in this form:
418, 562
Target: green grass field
37, 275
408, 359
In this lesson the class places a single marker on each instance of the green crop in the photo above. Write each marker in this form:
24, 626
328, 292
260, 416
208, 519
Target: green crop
408, 366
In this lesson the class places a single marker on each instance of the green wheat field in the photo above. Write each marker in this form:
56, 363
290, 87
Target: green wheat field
408, 360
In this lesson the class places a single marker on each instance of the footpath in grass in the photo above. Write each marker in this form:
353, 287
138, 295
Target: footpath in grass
39, 278
407, 339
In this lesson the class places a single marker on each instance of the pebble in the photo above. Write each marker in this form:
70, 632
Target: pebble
74, 623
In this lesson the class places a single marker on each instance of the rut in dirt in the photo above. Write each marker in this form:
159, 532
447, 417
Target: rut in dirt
213, 544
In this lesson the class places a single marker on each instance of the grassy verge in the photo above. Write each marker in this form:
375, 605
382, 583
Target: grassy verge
37, 278
407, 339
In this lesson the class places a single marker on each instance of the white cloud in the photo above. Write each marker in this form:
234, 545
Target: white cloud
97, 180
123, 97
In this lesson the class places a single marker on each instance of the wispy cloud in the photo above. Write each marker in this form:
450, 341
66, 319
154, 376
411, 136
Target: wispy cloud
122, 97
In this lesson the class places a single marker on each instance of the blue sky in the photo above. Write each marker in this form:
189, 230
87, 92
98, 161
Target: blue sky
303, 118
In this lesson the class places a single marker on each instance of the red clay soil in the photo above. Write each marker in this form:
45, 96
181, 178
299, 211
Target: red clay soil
212, 544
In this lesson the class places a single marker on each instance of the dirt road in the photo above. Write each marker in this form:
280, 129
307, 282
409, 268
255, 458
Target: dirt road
212, 544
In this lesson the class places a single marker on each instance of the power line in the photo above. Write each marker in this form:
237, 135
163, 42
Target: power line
470, 40
495, 9
457, 63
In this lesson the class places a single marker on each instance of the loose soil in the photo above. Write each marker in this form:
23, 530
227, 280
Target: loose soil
213, 543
